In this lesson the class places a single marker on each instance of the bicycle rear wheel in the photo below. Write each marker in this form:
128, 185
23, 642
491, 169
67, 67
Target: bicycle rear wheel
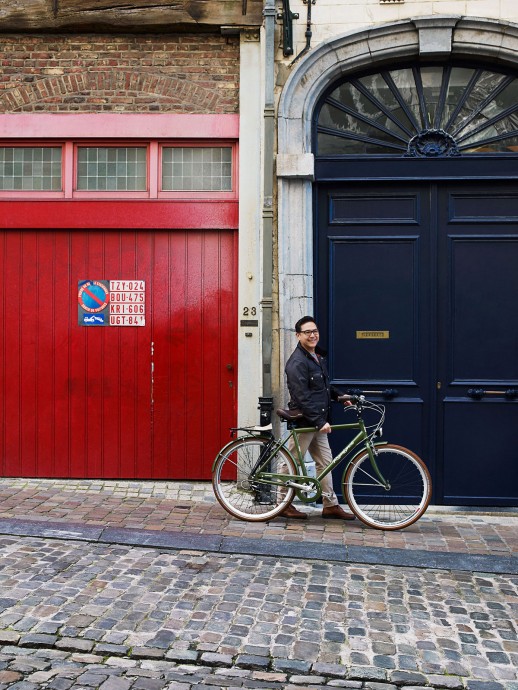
400, 502
244, 496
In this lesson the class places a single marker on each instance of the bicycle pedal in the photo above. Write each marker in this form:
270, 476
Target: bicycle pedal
302, 487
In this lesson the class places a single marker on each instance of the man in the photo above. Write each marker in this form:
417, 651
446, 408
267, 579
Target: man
310, 392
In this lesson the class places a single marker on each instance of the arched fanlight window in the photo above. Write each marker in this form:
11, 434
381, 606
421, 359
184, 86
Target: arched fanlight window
421, 111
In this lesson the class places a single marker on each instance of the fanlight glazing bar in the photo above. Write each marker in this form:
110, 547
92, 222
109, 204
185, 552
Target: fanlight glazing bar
359, 137
364, 118
358, 85
481, 106
397, 95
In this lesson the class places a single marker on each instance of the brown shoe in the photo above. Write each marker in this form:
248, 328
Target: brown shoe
336, 513
291, 512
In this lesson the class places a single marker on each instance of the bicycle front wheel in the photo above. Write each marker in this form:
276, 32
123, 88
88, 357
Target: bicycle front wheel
398, 502
241, 493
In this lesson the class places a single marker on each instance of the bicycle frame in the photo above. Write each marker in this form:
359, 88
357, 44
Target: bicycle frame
361, 439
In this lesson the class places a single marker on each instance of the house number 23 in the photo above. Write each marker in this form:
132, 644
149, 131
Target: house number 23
249, 311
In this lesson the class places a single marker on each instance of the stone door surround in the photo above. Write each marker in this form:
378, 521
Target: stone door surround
440, 37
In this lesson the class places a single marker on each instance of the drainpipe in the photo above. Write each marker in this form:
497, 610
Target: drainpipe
308, 33
266, 400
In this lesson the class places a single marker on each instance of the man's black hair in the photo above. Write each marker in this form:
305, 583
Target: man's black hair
302, 321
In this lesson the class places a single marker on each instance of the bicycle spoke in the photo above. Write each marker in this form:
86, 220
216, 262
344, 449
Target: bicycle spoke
397, 504
237, 482
374, 479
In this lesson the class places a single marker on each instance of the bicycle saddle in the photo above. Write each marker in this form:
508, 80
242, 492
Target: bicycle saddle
289, 415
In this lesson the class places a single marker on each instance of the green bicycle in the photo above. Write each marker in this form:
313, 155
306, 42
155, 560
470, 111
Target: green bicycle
255, 477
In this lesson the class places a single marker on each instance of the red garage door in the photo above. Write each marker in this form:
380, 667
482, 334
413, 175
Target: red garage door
151, 401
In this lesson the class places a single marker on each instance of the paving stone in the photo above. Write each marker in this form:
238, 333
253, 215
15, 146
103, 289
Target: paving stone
306, 687
37, 640
61, 684
384, 661
6, 603
498, 658
9, 637
111, 649
269, 676
70, 644
148, 684
291, 665
446, 682
147, 653
181, 655
252, 661
366, 673
214, 659
92, 679
229, 684
407, 678
118, 662
333, 670
42, 676
307, 680
116, 684
10, 676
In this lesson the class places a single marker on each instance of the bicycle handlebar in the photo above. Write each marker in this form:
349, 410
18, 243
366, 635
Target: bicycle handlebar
351, 398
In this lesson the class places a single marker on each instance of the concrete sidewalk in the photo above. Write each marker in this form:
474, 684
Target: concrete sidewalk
186, 515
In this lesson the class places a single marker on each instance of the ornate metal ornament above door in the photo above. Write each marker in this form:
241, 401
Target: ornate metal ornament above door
432, 143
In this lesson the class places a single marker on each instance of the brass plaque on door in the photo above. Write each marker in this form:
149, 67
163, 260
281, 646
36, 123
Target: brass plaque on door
372, 335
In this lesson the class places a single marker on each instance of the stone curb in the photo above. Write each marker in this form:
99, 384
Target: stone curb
435, 560
296, 672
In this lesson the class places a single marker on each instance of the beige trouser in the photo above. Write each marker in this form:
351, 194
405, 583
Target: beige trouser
317, 444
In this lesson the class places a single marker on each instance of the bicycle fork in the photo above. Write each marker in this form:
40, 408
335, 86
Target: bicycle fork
372, 451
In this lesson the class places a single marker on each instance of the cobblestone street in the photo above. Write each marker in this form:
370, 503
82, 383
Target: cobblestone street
138, 610
76, 613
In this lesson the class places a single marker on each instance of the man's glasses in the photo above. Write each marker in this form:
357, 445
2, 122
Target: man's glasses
315, 332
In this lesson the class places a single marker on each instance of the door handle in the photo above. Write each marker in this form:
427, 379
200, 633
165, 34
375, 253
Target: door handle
479, 393
386, 393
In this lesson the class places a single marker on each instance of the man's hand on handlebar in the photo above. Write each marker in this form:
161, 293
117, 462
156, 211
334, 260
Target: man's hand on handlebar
347, 400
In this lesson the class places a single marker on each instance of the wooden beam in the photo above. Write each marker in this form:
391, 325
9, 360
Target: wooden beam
128, 15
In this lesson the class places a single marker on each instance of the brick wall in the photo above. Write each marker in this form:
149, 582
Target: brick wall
69, 73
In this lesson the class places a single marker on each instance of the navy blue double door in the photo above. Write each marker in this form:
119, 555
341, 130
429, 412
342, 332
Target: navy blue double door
417, 292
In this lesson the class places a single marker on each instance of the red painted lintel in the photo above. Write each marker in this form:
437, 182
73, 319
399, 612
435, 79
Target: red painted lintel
145, 214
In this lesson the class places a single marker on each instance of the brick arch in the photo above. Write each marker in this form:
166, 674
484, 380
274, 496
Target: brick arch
120, 90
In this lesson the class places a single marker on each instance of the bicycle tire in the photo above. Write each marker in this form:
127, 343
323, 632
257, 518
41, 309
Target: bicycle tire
244, 499
403, 502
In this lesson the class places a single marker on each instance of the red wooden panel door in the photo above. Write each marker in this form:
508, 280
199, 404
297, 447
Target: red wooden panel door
121, 402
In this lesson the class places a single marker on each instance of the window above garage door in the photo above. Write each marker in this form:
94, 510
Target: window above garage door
425, 111
111, 162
